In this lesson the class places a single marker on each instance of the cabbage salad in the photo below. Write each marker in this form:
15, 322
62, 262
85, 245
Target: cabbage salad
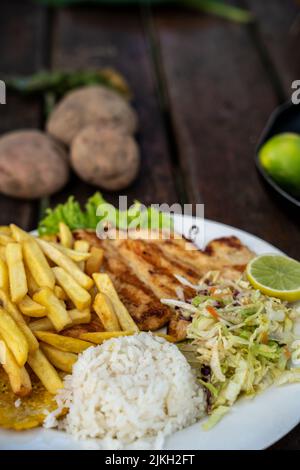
242, 341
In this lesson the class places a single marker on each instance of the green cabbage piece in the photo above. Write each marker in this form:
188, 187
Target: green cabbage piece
215, 417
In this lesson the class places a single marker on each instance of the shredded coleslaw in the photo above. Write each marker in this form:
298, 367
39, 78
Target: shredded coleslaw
242, 340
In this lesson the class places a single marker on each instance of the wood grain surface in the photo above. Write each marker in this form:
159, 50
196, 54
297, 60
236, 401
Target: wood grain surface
86, 38
220, 96
203, 90
22, 51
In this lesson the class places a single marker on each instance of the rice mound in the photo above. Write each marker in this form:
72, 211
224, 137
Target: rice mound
130, 392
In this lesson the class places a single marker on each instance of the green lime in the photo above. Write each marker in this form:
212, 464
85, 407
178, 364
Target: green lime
276, 276
280, 158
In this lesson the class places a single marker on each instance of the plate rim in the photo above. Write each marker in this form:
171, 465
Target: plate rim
267, 442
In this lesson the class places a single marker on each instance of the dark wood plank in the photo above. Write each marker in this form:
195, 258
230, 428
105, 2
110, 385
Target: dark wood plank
220, 97
93, 38
278, 30
21, 51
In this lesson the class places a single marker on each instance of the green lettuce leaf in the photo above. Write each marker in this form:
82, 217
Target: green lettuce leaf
97, 210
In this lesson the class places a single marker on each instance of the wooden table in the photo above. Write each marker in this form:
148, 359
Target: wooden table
203, 89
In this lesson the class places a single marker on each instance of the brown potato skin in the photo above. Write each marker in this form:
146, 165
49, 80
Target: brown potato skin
105, 157
32, 164
88, 105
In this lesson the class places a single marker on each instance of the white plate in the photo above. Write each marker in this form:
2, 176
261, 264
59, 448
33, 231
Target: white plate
251, 424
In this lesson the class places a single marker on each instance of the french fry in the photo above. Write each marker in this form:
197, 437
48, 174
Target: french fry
5, 229
69, 265
65, 235
18, 234
79, 317
63, 343
5, 239
94, 262
31, 308
4, 281
44, 324
105, 311
55, 309
79, 296
99, 337
13, 337
60, 293
93, 291
32, 285
45, 371
73, 254
105, 285
16, 272
60, 359
2, 253
82, 246
37, 264
18, 376
17, 316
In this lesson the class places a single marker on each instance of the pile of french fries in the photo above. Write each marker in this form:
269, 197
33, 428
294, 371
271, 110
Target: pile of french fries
48, 285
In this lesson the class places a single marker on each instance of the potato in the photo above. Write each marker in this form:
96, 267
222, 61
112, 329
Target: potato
31, 308
81, 246
19, 235
5, 229
18, 376
5, 239
73, 254
88, 105
45, 371
44, 324
19, 319
95, 261
79, 296
105, 157
98, 337
16, 272
4, 281
37, 264
77, 318
55, 309
105, 286
2, 253
65, 235
32, 164
105, 311
63, 343
60, 359
32, 285
65, 262
60, 293
13, 337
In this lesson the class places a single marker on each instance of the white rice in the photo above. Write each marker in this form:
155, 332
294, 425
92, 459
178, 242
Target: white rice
130, 392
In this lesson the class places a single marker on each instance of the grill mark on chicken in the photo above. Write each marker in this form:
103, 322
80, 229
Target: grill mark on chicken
143, 273
149, 265
144, 307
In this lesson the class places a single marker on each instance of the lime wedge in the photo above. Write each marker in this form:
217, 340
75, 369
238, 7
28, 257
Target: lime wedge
276, 276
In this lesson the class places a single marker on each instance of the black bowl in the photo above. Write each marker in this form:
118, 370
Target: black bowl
285, 118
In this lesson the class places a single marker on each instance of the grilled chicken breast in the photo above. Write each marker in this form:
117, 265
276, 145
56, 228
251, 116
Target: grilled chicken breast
143, 272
